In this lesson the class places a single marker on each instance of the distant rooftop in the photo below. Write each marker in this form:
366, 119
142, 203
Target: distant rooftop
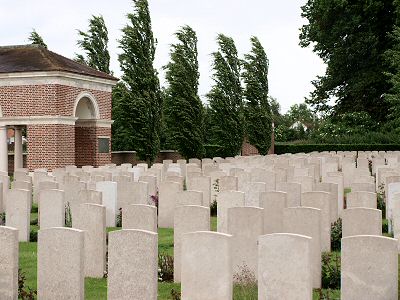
34, 58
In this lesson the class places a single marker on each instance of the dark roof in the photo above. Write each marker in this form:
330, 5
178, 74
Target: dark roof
34, 58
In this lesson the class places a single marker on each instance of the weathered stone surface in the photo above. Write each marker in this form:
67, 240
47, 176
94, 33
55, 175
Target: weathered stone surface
132, 265
361, 199
361, 221
91, 218
253, 191
189, 198
340, 182
52, 209
363, 187
167, 203
8, 263
60, 263
18, 213
208, 255
188, 218
245, 224
109, 192
307, 221
90, 196
331, 188
369, 268
226, 200
284, 266
202, 184
132, 193
293, 191
320, 200
140, 216
228, 183
273, 204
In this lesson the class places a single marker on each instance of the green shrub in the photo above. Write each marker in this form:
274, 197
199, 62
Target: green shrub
24, 292
330, 270
281, 148
34, 208
385, 227
336, 235
165, 268
34, 221
33, 235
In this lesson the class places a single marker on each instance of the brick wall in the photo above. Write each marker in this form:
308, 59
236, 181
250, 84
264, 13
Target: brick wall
48, 100
85, 146
11, 162
50, 146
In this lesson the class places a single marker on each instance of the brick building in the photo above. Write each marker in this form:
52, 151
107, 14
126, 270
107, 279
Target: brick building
65, 107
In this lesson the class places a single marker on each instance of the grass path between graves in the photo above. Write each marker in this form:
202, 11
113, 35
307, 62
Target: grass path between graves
96, 289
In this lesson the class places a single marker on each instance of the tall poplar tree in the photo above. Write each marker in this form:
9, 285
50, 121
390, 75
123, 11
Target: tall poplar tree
225, 100
142, 103
257, 106
183, 109
36, 39
94, 43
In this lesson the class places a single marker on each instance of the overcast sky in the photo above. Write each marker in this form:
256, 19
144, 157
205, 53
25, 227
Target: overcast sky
276, 23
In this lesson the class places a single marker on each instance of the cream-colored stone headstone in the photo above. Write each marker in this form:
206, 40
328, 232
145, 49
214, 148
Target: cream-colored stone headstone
322, 201
363, 187
339, 181
293, 191
9, 263
245, 224
132, 193
212, 266
60, 264
369, 268
253, 191
332, 189
189, 198
203, 184
167, 203
307, 221
187, 218
226, 200
90, 196
228, 183
284, 266
139, 216
52, 209
273, 204
361, 199
109, 192
18, 212
132, 265
361, 221
91, 219
151, 181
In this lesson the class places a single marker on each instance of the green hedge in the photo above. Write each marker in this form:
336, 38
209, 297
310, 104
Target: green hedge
306, 148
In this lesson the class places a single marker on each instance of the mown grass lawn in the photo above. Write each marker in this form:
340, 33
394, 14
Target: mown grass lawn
96, 289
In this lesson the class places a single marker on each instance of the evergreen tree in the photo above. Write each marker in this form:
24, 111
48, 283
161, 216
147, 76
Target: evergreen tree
142, 103
36, 39
257, 108
183, 110
94, 43
225, 100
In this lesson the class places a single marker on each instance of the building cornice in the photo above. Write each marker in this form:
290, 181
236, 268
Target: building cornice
56, 77
53, 120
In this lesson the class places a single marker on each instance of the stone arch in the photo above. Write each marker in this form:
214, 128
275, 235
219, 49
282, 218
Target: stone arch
86, 107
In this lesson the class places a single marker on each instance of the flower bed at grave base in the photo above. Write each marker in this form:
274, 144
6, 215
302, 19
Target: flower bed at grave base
281, 148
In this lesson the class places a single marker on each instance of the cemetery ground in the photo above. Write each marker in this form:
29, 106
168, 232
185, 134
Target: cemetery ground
97, 288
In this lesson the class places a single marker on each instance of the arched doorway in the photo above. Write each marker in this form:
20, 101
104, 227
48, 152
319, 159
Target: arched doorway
87, 112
